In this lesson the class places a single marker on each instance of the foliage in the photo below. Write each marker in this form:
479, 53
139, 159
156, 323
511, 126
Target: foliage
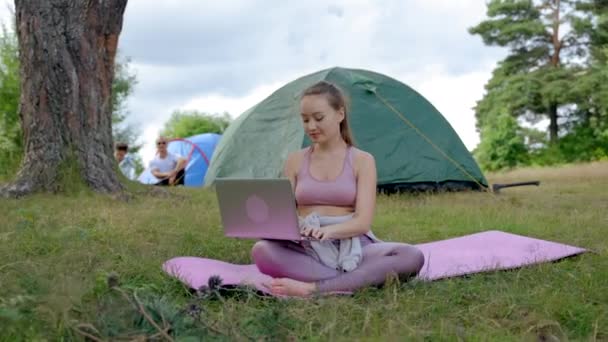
532, 81
503, 146
580, 145
184, 124
11, 144
555, 71
122, 87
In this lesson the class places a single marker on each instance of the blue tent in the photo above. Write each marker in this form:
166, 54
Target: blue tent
198, 150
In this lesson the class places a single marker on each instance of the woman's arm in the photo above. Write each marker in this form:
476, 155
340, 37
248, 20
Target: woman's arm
365, 207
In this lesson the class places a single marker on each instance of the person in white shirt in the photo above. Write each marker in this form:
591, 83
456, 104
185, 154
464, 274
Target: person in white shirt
167, 167
125, 160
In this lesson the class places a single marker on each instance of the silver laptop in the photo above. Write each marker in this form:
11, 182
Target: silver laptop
258, 208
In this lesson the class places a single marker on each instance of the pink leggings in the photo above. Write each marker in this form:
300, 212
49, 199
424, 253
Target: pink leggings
287, 259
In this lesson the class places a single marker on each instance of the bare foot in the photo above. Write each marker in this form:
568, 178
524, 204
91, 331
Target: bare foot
290, 287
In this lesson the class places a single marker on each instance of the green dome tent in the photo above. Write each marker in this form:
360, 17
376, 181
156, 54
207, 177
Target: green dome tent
414, 146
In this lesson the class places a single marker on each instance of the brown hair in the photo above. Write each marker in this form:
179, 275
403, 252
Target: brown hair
121, 146
337, 100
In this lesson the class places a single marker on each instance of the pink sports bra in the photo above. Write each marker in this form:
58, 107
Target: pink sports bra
340, 192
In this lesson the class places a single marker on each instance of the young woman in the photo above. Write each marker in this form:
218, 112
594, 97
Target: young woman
335, 188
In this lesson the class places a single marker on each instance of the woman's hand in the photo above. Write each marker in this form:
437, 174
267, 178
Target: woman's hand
322, 234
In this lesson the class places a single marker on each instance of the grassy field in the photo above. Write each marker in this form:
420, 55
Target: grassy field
58, 253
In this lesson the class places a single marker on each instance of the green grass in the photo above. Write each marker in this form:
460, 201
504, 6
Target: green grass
56, 253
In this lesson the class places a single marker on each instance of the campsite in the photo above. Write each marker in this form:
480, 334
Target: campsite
466, 186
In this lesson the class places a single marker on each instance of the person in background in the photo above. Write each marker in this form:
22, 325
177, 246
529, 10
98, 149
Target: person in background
125, 160
167, 167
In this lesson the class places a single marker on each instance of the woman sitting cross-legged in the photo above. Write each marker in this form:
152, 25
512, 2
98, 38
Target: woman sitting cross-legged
335, 188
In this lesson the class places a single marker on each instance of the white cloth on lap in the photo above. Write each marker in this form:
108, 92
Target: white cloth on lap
346, 257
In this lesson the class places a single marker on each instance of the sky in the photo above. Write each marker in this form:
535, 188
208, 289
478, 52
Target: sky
226, 56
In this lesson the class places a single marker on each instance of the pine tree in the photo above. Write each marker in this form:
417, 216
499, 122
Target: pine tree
546, 53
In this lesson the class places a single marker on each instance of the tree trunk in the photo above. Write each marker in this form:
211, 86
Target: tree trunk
557, 43
553, 123
67, 51
555, 62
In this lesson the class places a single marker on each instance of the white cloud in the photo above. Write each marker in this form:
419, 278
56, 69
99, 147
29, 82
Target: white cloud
218, 103
228, 55
209, 103
454, 97
6, 15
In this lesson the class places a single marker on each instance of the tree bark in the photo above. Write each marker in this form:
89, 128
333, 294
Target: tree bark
67, 51
553, 128
557, 43
555, 62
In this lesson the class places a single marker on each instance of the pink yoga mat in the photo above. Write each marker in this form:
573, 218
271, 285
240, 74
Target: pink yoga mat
480, 252
195, 272
487, 251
